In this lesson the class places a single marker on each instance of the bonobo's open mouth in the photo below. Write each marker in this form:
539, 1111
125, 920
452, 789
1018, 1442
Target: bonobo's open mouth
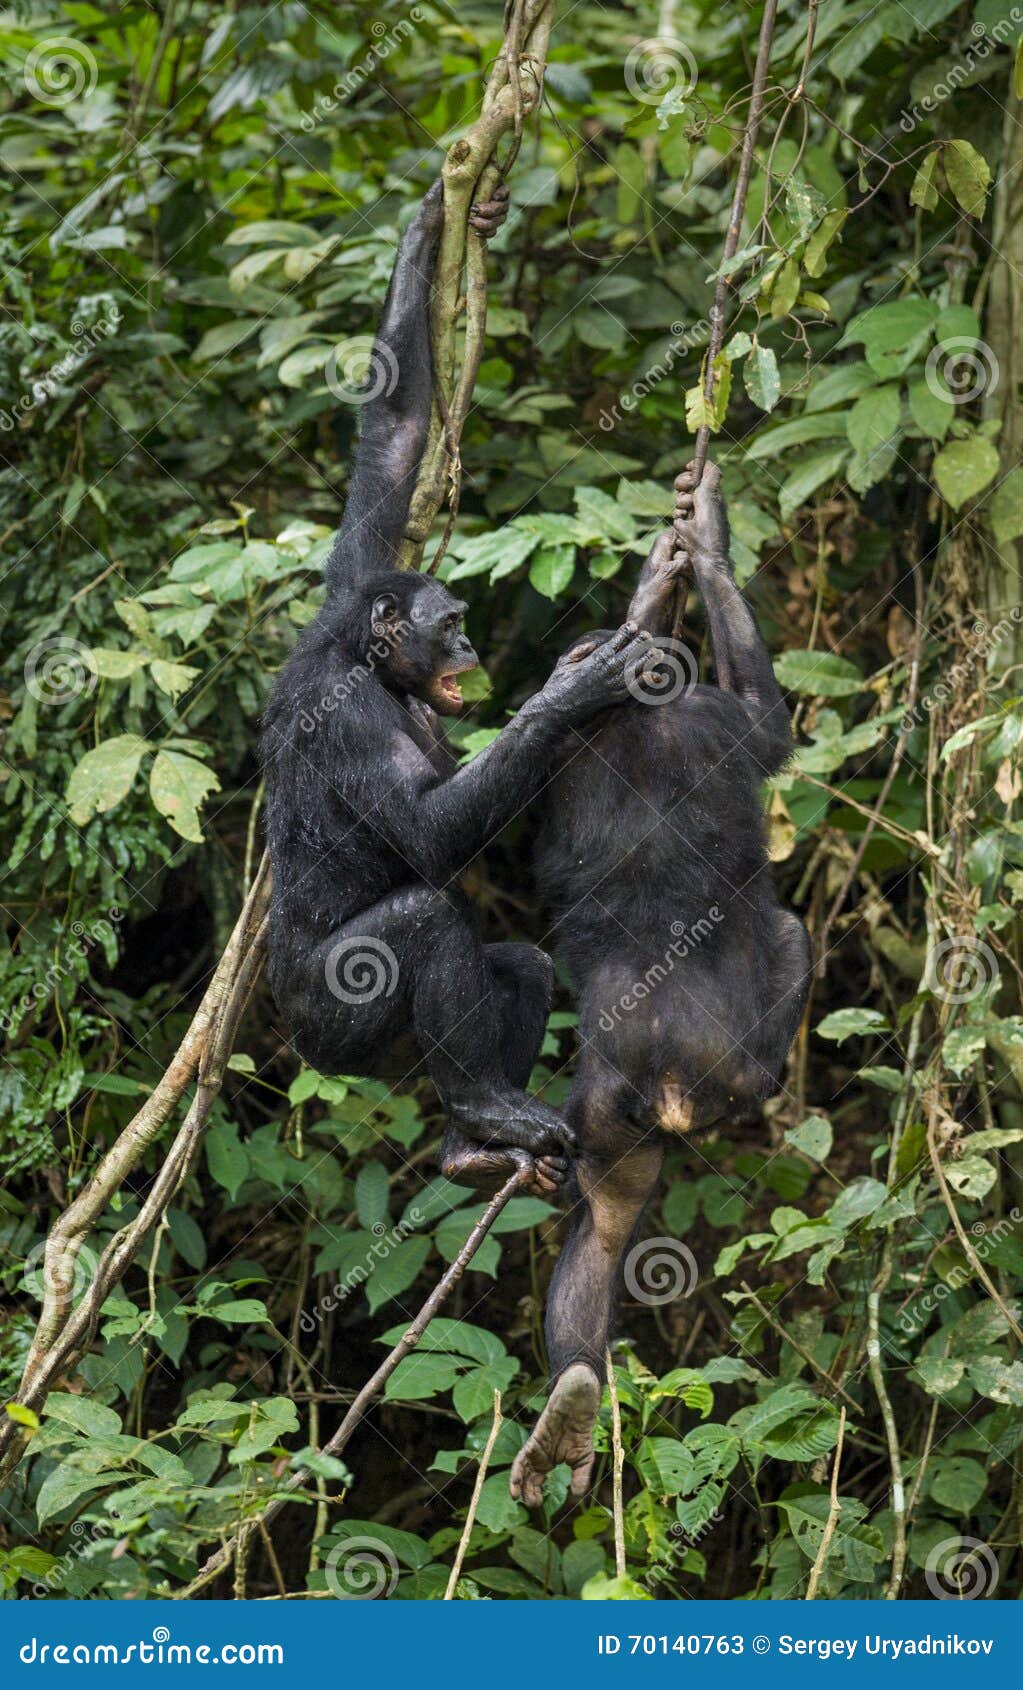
451, 692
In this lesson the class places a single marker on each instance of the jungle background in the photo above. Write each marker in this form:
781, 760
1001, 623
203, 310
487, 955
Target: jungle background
818, 1367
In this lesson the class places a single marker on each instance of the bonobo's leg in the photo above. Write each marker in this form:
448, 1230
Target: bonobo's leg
653, 603
523, 983
580, 1309
741, 659
416, 956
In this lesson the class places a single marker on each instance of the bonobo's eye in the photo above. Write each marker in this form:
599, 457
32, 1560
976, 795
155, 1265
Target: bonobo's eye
452, 623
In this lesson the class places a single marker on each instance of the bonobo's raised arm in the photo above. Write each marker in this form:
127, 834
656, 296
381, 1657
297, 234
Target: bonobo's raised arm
740, 656
396, 414
440, 823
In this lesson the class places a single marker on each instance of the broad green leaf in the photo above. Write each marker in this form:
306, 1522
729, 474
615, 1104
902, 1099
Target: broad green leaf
845, 1023
398, 1269
963, 468
172, 678
242, 1311
924, 191
969, 176
822, 674
874, 419
813, 1137
104, 776
177, 786
551, 570
817, 246
762, 378
811, 474
372, 1193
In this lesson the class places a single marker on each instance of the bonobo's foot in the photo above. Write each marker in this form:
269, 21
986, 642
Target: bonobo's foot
564, 1432
486, 1167
512, 1119
701, 522
486, 216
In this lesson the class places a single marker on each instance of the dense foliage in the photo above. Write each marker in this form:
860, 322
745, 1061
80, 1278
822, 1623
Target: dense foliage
818, 1372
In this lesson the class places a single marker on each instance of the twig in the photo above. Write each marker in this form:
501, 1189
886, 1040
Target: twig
898, 1493
217, 1562
618, 1461
804, 1355
963, 1236
474, 1501
834, 1513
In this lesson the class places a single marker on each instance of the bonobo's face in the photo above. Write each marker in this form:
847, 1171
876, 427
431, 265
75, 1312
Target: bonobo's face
421, 623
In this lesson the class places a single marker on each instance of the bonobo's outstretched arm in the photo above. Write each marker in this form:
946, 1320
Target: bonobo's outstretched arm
741, 659
438, 824
396, 415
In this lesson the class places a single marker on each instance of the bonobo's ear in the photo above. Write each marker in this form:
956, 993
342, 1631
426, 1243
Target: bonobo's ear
384, 614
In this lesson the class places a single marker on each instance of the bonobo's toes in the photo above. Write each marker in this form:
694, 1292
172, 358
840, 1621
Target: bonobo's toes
564, 1432
686, 481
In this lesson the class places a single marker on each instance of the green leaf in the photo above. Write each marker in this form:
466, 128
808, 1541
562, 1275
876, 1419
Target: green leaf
959, 1483
242, 1311
817, 246
931, 410
804, 481
1005, 509
892, 333
963, 468
226, 1158
445, 1334
551, 570
22, 1416
969, 176
496, 1509
820, 673
177, 786
845, 1023
104, 776
172, 678
224, 338
116, 665
397, 1271
762, 378
813, 1137
603, 1587
924, 191
856, 1202
372, 1193
874, 419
